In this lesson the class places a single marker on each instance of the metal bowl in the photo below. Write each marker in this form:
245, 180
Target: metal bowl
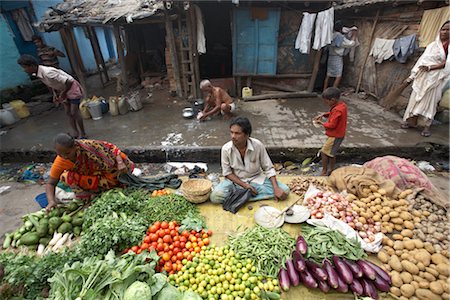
188, 113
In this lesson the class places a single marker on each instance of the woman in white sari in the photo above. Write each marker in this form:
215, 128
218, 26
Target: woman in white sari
430, 74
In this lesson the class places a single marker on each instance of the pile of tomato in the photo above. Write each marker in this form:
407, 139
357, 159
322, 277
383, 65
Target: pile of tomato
162, 192
175, 249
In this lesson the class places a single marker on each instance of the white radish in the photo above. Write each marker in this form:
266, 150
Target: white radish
60, 242
40, 250
55, 239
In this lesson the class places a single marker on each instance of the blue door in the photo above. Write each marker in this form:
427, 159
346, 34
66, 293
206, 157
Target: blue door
255, 42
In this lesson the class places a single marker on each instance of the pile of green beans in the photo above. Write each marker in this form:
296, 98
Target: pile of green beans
268, 248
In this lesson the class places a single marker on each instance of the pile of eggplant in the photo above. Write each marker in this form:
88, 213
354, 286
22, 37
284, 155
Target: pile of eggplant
361, 277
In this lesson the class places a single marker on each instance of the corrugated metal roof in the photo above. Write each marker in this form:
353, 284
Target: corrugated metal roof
345, 4
98, 11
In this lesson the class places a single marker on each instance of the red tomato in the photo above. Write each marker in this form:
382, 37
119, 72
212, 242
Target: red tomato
176, 250
134, 248
171, 223
166, 256
176, 244
193, 239
173, 233
206, 241
162, 262
173, 258
201, 244
172, 227
144, 246
166, 248
177, 228
210, 232
153, 237
139, 251
185, 234
159, 240
179, 256
154, 244
199, 239
176, 238
167, 231
153, 229
205, 235
182, 245
189, 257
197, 235
147, 239
193, 231
186, 254
164, 225
167, 239
183, 239
161, 233
157, 224
160, 247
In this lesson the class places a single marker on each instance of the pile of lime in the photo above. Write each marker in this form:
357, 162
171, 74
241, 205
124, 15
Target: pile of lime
219, 273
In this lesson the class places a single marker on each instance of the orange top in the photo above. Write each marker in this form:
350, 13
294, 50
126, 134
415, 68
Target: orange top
61, 164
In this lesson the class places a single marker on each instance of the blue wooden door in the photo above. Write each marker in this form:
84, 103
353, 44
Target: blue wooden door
255, 42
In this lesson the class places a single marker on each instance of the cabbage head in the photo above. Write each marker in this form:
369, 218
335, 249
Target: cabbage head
138, 290
190, 295
169, 292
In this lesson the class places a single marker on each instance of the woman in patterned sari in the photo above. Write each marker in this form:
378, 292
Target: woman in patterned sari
88, 167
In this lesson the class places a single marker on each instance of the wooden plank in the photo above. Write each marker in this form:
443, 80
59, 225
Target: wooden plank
76, 50
315, 71
121, 54
368, 51
276, 86
184, 50
100, 62
195, 54
299, 75
304, 94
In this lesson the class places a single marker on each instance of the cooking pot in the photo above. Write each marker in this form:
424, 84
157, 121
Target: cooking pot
188, 113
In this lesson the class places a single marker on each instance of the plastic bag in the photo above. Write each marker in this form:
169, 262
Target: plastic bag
338, 225
237, 199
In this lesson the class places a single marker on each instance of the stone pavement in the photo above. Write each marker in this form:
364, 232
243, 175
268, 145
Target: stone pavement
160, 132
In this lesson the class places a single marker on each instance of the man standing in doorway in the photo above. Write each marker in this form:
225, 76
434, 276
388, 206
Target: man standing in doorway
65, 90
48, 55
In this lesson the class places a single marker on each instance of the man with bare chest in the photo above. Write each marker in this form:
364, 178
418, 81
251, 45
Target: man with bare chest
246, 164
217, 101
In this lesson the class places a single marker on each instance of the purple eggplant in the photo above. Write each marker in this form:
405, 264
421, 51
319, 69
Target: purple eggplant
283, 279
323, 286
381, 284
343, 270
368, 271
342, 286
356, 270
380, 272
292, 273
316, 271
332, 275
356, 287
299, 261
301, 245
369, 289
308, 280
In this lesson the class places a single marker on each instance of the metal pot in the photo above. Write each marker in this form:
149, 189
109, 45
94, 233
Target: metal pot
188, 113
198, 105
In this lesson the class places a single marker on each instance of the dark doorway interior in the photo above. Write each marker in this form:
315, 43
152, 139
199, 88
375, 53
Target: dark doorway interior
217, 61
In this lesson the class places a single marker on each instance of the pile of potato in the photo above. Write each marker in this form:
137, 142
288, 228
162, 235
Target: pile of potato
431, 229
417, 270
376, 206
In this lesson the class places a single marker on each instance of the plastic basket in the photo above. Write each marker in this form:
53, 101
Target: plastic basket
42, 200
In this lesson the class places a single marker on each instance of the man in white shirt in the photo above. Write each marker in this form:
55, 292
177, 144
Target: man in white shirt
65, 90
246, 164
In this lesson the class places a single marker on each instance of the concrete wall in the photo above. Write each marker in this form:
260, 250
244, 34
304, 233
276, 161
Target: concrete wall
11, 74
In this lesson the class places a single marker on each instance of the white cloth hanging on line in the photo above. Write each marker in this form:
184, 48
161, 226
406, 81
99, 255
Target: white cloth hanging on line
201, 40
324, 28
382, 49
303, 41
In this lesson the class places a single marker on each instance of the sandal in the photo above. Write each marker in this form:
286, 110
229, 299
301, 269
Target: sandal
406, 126
425, 133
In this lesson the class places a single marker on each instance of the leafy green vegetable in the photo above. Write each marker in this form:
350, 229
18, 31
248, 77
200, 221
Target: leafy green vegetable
138, 290
169, 292
170, 208
324, 243
193, 222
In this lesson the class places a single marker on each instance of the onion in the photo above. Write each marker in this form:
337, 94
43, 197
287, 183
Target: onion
352, 225
319, 215
362, 234
348, 219
366, 240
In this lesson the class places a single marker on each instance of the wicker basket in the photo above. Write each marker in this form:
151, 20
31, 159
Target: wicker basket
196, 199
196, 187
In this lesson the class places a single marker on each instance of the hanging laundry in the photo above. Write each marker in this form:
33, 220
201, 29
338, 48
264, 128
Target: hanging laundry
201, 40
432, 21
348, 33
382, 49
404, 47
303, 41
20, 16
324, 28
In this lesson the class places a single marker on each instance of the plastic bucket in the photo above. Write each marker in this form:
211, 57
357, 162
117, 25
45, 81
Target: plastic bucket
42, 200
20, 108
247, 92
95, 109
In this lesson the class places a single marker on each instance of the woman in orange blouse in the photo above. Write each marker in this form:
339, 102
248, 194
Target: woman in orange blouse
88, 167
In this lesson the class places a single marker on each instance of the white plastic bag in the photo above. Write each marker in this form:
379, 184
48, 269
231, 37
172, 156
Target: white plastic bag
338, 225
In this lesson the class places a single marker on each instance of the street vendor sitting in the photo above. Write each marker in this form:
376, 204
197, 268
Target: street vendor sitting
88, 167
246, 163
217, 100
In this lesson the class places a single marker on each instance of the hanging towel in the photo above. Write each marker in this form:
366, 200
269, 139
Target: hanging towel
432, 21
20, 16
201, 40
382, 49
348, 33
324, 28
404, 47
303, 41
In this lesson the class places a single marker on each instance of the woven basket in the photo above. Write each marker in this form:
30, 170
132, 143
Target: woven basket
196, 187
196, 199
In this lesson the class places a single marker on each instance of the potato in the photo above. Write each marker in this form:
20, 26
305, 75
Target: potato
442, 277
426, 213
406, 216
383, 256
421, 266
381, 192
398, 227
408, 225
410, 245
418, 243
390, 251
398, 245
416, 213
415, 285
397, 237
443, 269
428, 276
445, 296
416, 220
424, 294
406, 277
432, 271
424, 285
394, 214
410, 267
387, 267
405, 255
396, 279
445, 286
429, 247
398, 252
407, 233
389, 229
424, 257
436, 287
407, 290
396, 291
397, 221
395, 264
419, 279
438, 258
